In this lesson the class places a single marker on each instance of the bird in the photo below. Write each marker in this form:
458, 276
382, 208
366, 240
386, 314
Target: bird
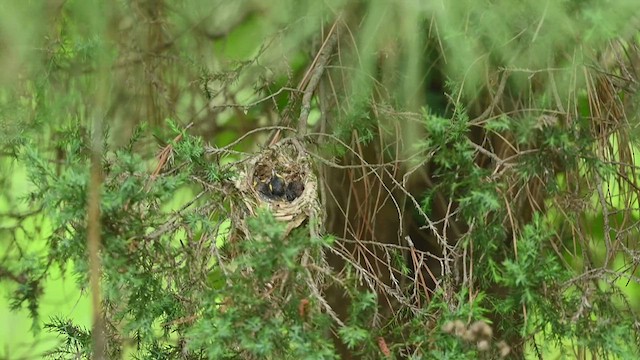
277, 186
263, 188
294, 190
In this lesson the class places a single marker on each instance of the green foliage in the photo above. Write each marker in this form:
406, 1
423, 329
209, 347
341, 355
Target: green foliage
137, 252
76, 340
358, 119
531, 272
178, 283
250, 316
153, 265
531, 269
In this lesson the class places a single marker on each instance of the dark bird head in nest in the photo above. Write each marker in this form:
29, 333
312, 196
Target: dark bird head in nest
277, 186
263, 188
294, 190
274, 188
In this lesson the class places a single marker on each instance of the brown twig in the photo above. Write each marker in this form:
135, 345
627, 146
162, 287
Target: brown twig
320, 62
311, 79
6, 273
93, 245
163, 157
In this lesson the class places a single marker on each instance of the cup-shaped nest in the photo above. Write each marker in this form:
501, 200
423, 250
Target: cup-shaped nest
281, 179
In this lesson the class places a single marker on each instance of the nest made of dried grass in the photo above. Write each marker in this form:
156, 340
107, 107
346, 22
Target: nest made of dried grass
289, 161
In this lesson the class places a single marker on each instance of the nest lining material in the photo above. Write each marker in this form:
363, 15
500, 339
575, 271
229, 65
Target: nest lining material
288, 163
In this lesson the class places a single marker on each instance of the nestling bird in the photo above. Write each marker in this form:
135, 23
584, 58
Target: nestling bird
263, 188
277, 186
294, 190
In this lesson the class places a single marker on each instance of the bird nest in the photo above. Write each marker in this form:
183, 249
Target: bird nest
281, 179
